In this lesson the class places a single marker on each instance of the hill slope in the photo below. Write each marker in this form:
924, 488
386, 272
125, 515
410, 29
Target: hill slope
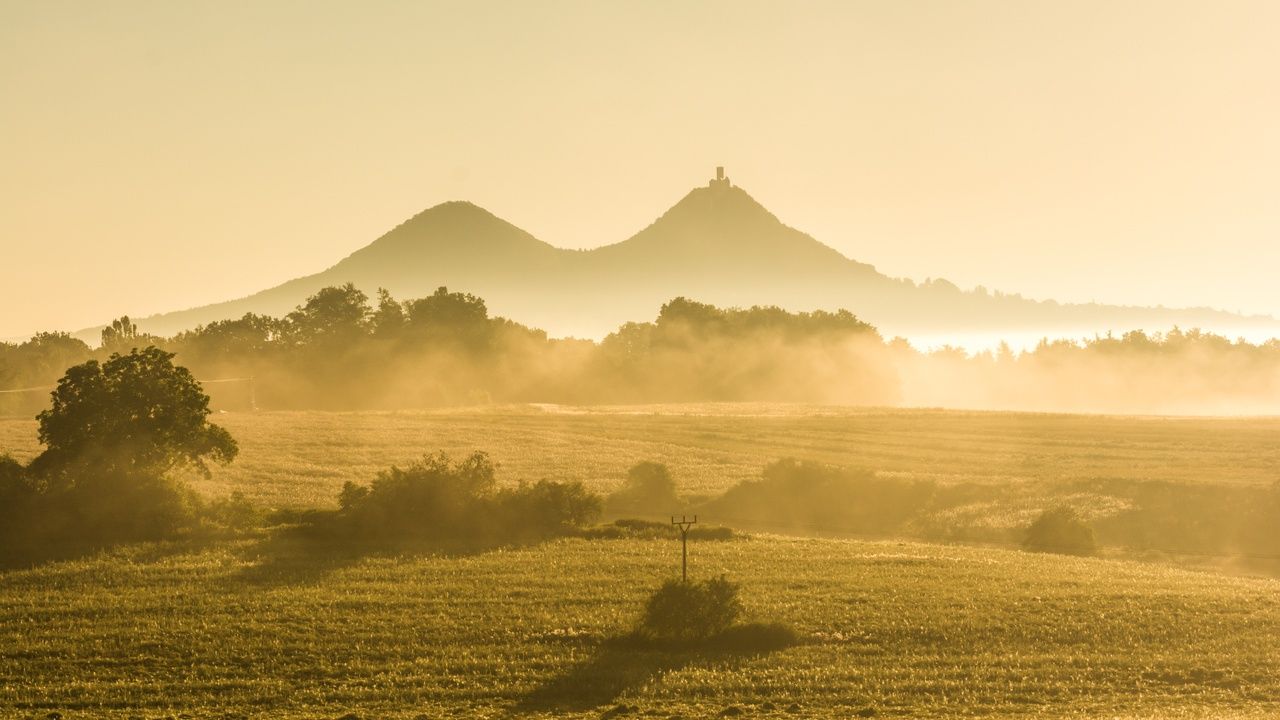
716, 245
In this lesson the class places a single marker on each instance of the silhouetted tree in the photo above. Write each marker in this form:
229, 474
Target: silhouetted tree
135, 413
114, 432
334, 314
119, 333
38, 361
389, 318
225, 342
451, 318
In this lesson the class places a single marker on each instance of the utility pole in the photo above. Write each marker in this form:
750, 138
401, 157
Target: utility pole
684, 524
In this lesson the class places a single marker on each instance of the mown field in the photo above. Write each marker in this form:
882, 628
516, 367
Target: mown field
259, 627
246, 628
301, 459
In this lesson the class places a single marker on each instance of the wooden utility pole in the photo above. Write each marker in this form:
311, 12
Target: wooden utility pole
684, 524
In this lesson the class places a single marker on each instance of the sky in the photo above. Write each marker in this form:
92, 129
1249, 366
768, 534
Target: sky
161, 155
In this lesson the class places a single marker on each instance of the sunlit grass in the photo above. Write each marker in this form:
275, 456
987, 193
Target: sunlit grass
908, 629
301, 459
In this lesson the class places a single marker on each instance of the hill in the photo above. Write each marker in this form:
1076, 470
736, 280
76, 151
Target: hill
888, 629
718, 245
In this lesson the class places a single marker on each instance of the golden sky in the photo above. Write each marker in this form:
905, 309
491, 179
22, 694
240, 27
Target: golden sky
159, 155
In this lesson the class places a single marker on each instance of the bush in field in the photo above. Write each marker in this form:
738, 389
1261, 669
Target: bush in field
546, 509
1060, 530
811, 496
438, 501
649, 490
691, 611
704, 616
16, 496
432, 499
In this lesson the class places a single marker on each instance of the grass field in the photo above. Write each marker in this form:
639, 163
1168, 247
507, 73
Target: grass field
239, 629
301, 459
252, 627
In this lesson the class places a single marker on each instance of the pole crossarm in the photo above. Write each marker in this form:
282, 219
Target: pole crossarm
684, 523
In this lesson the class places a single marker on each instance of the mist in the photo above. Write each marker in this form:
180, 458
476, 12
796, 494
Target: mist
342, 351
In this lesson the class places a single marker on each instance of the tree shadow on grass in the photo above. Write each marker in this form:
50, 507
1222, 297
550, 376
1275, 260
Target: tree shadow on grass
293, 555
309, 546
631, 660
19, 557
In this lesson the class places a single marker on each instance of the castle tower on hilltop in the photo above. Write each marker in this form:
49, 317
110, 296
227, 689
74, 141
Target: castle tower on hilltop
720, 180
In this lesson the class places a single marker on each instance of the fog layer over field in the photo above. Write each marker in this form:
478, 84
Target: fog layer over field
341, 351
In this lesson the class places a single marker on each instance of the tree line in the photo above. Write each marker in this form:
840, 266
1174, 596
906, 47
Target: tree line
341, 349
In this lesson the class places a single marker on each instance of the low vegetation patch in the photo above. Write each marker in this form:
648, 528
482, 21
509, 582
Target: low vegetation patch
705, 615
439, 502
808, 496
1060, 530
632, 528
649, 490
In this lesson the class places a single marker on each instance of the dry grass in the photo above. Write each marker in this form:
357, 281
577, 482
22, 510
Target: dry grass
301, 459
256, 628
908, 629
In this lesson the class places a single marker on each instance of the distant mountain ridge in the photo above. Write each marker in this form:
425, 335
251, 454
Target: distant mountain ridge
716, 245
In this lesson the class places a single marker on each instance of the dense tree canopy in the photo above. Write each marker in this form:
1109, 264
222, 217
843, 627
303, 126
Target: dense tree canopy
135, 413
113, 433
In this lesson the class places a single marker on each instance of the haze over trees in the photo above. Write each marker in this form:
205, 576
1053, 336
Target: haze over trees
341, 350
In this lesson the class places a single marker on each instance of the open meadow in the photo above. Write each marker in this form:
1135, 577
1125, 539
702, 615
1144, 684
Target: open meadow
301, 459
257, 626
248, 629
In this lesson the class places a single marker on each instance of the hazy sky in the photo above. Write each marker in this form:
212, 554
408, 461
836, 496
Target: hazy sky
159, 155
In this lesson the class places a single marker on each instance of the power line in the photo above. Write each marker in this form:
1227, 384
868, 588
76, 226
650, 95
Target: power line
30, 389
253, 393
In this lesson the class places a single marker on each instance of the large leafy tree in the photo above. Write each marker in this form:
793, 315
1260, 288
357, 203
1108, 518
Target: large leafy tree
333, 315
451, 318
133, 414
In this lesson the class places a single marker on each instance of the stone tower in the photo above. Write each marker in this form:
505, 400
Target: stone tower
720, 180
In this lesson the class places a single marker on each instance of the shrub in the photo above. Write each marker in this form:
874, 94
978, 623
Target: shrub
98, 510
126, 506
690, 611
434, 498
439, 502
809, 496
649, 490
546, 509
1060, 530
16, 497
